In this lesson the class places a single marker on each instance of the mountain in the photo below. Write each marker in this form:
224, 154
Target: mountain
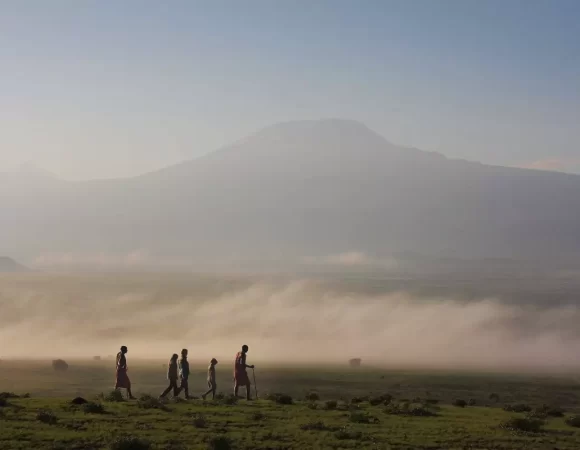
304, 189
8, 265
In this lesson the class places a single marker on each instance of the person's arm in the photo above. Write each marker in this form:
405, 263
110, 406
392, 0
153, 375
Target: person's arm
247, 366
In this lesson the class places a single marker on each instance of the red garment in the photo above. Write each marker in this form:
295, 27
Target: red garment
240, 375
123, 381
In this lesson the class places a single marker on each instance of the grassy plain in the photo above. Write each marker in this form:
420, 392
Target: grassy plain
265, 424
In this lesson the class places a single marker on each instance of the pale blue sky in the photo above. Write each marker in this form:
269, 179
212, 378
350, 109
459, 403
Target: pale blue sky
114, 88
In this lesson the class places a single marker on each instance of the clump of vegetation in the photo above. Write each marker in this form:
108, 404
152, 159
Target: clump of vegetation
199, 421
3, 402
494, 397
459, 403
432, 401
113, 396
331, 405
281, 399
220, 396
79, 401
573, 421
362, 417
219, 442
405, 409
312, 397
129, 443
523, 424
357, 400
384, 399
150, 402
229, 400
472, 402
315, 425
345, 433
8, 395
518, 408
93, 408
46, 416
257, 416
312, 405
60, 365
546, 411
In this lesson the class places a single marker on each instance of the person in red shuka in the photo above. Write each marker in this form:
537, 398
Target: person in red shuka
240, 374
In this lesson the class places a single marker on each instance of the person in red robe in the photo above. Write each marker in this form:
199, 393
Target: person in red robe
241, 377
123, 381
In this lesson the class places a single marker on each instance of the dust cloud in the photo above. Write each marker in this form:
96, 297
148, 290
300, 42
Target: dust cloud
283, 321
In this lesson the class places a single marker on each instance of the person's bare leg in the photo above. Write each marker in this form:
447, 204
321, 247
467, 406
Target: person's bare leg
166, 391
236, 388
213, 392
129, 393
203, 396
248, 391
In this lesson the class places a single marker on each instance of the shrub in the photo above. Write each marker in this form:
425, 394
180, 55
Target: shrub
257, 416
129, 443
573, 421
46, 416
523, 424
472, 402
384, 399
220, 396
199, 421
114, 396
331, 405
230, 400
361, 417
93, 408
346, 433
3, 402
519, 408
546, 411
459, 403
406, 410
494, 397
79, 401
60, 365
432, 401
312, 397
316, 425
149, 402
312, 406
8, 395
219, 443
281, 399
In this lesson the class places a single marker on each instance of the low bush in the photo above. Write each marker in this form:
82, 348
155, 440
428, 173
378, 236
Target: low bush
150, 402
314, 425
281, 399
219, 442
312, 397
523, 424
199, 421
113, 396
346, 433
573, 421
518, 408
129, 443
362, 417
331, 405
93, 408
459, 403
229, 400
46, 416
384, 399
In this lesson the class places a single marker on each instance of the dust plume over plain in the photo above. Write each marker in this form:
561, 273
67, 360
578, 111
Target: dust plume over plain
282, 321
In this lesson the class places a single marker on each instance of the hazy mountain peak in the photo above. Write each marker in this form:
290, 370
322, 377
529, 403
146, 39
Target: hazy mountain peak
9, 265
29, 167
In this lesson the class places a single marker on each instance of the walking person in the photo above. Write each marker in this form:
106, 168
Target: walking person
211, 382
241, 377
172, 377
184, 373
122, 381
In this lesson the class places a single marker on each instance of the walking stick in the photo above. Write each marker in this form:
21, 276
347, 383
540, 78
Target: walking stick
255, 385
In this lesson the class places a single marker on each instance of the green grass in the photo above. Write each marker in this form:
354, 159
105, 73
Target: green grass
421, 414
266, 425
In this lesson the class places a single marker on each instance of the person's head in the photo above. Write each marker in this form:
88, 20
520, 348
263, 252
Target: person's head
174, 357
244, 349
124, 349
213, 361
184, 353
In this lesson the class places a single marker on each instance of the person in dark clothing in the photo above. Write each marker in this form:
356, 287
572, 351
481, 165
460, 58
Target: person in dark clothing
211, 382
184, 373
172, 377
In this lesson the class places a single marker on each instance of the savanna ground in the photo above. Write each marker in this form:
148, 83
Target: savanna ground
352, 410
